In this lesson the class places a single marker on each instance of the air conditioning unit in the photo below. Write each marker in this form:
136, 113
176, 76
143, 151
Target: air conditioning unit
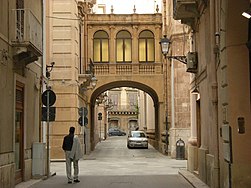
192, 62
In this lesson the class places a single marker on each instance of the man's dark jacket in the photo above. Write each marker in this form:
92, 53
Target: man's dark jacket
68, 141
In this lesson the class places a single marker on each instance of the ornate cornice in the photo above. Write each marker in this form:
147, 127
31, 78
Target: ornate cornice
85, 7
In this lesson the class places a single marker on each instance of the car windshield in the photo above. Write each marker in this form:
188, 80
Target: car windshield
138, 135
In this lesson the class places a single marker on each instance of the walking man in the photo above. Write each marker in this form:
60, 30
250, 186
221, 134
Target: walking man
73, 153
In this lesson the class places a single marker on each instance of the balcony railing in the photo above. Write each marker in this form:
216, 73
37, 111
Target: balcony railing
126, 108
128, 68
28, 31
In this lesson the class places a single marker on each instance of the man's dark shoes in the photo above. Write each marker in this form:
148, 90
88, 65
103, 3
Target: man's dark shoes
76, 181
69, 182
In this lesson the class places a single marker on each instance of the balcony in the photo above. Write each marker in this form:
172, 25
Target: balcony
186, 11
124, 110
27, 39
128, 69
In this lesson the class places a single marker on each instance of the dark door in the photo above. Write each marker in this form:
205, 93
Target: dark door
19, 133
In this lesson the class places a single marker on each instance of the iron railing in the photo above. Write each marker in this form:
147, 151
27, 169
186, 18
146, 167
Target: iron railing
28, 29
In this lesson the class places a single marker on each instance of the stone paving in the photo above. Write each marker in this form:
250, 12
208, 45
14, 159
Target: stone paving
111, 164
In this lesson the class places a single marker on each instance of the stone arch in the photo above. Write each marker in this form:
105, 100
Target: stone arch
98, 30
144, 29
115, 84
123, 30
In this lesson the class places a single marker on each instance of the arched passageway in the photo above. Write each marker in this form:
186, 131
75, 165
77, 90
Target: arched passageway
133, 84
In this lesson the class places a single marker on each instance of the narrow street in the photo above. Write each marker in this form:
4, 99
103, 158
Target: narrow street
112, 165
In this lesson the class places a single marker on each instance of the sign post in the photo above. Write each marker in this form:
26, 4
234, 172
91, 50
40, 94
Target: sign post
48, 99
48, 132
100, 118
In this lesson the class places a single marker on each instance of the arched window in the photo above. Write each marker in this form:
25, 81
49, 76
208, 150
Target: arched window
124, 47
100, 47
146, 46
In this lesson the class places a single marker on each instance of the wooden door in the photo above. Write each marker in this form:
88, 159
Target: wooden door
19, 133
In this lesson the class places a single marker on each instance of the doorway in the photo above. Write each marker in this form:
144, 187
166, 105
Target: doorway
19, 133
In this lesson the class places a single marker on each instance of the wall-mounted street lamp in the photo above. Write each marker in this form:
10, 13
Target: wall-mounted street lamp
107, 105
102, 98
247, 13
49, 69
88, 80
191, 59
165, 46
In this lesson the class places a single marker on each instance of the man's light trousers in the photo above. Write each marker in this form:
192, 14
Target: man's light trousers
68, 166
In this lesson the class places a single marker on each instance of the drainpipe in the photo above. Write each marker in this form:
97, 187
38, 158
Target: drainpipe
85, 42
214, 86
44, 62
172, 96
164, 17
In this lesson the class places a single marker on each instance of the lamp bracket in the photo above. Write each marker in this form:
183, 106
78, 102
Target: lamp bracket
49, 69
181, 59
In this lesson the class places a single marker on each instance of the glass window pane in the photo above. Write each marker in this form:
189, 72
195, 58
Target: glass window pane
105, 51
119, 50
150, 50
100, 34
128, 50
142, 50
96, 50
123, 34
146, 34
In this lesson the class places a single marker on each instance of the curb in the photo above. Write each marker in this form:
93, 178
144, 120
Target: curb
192, 179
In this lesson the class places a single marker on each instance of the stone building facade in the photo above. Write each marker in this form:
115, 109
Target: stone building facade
71, 77
177, 79
219, 148
21, 86
77, 37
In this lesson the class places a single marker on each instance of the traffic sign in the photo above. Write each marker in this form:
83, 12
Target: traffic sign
80, 121
99, 116
85, 111
52, 97
82, 111
52, 113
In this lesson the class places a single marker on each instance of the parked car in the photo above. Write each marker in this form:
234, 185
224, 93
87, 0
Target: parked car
137, 139
116, 132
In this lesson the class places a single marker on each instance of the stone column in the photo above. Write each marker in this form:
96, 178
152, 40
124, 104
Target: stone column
135, 44
193, 139
192, 162
112, 41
